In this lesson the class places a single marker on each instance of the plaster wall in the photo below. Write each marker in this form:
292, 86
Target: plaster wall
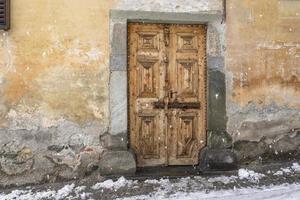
263, 74
54, 84
61, 58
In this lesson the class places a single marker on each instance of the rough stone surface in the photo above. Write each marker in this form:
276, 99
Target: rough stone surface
284, 148
114, 142
219, 140
217, 159
117, 162
262, 78
15, 159
252, 123
247, 151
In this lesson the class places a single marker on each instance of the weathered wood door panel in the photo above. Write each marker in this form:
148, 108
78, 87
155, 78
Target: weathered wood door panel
167, 102
146, 86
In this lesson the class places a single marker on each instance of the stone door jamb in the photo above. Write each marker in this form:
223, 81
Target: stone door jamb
118, 119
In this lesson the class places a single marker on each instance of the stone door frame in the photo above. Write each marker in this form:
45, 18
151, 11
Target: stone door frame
118, 92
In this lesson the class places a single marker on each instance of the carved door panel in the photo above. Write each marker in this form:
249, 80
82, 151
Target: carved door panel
187, 134
167, 104
146, 86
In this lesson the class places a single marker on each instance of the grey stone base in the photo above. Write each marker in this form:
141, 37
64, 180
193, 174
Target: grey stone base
217, 159
117, 163
114, 142
283, 149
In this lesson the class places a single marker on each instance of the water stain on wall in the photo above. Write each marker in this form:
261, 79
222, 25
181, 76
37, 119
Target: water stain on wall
263, 46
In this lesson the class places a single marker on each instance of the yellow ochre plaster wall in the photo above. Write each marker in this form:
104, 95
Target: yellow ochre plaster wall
54, 62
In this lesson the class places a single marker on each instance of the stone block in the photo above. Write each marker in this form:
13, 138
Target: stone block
118, 62
117, 163
217, 160
213, 41
248, 151
215, 62
118, 102
114, 142
219, 140
15, 159
217, 118
119, 39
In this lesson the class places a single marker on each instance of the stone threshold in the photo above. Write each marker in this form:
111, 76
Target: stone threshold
171, 172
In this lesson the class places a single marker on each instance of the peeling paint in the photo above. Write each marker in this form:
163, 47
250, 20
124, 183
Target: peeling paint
54, 79
262, 70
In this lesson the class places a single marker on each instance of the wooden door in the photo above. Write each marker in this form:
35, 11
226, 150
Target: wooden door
167, 100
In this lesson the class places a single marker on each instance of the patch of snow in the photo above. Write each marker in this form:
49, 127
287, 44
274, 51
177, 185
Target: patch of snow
63, 193
250, 175
223, 179
286, 192
286, 170
278, 173
115, 185
296, 167
160, 181
80, 189
151, 181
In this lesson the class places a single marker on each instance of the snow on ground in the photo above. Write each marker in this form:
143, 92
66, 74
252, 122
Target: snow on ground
223, 179
250, 175
286, 192
243, 174
188, 188
48, 194
295, 168
115, 185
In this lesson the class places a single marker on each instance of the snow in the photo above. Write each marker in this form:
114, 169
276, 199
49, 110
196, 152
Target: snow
243, 174
182, 188
250, 175
61, 194
296, 167
158, 182
286, 170
65, 191
286, 192
223, 179
278, 173
110, 184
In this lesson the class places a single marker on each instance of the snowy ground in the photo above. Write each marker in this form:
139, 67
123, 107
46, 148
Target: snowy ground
276, 182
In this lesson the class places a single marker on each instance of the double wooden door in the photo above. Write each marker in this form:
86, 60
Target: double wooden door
167, 93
